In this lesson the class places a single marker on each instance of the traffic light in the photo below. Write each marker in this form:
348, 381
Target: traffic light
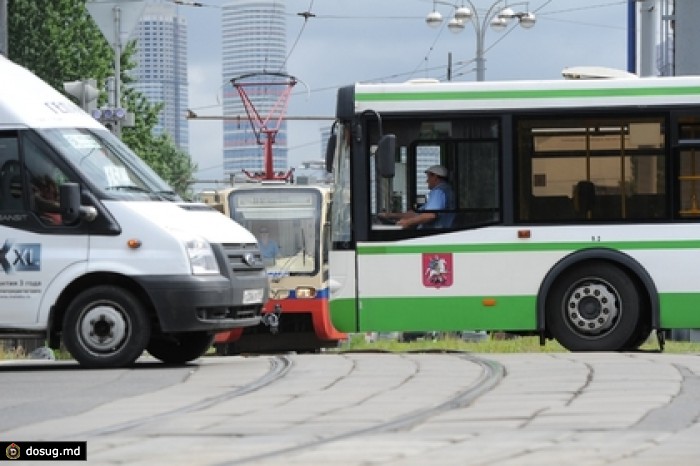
85, 91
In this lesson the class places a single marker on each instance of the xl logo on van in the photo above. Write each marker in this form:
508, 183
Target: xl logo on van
20, 257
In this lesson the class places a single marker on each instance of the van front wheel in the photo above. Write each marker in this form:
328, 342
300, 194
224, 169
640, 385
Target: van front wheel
106, 326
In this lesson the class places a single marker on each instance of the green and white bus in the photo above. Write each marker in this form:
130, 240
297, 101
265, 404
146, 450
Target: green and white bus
577, 215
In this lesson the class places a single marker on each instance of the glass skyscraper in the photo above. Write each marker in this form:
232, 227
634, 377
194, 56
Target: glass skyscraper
161, 70
253, 41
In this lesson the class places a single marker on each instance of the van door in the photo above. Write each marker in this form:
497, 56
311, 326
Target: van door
36, 249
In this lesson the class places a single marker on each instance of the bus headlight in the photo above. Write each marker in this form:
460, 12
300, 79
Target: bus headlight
202, 259
305, 292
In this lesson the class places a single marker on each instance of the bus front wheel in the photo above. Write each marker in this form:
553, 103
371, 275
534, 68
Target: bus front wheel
594, 306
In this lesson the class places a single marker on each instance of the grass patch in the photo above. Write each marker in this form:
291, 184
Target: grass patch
12, 353
19, 352
357, 342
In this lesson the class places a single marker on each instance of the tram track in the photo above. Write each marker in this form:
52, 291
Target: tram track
279, 367
487, 374
392, 408
491, 374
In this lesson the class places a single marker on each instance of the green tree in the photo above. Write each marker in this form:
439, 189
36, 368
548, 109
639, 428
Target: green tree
59, 41
159, 151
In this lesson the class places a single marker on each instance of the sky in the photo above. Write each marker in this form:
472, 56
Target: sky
389, 41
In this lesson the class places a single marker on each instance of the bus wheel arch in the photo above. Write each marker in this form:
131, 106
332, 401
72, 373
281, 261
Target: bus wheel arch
612, 275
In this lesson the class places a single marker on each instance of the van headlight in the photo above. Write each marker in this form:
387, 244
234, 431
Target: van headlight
201, 255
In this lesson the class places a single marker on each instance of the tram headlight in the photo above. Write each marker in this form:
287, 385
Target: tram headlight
305, 292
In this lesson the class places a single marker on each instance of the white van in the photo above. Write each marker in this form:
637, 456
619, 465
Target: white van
97, 252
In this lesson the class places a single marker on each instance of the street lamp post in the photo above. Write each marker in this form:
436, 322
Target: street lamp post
498, 16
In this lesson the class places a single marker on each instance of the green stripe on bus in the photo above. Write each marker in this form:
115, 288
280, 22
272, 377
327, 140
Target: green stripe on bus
440, 314
678, 310
527, 94
524, 247
343, 314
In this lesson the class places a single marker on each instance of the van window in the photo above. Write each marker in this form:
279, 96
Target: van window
29, 179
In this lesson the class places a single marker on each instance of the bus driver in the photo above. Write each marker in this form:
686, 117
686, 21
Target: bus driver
440, 198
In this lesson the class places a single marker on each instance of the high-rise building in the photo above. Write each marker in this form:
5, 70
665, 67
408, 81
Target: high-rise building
161, 70
253, 41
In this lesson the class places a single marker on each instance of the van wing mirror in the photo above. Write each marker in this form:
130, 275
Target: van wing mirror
70, 202
71, 208
386, 153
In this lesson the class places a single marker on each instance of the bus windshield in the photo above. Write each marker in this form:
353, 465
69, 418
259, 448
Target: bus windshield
109, 165
285, 222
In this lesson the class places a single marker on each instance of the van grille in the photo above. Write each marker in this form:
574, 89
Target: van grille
238, 256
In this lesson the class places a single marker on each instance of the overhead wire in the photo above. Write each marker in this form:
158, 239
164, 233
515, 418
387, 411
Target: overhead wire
306, 15
458, 66
461, 65
426, 58
421, 67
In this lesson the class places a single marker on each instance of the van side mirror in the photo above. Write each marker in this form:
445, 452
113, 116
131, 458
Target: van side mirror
385, 156
71, 209
70, 202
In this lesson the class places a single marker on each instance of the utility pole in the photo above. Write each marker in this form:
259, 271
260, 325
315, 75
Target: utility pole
449, 66
648, 20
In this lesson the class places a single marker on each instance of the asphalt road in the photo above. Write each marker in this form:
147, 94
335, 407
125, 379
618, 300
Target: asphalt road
366, 409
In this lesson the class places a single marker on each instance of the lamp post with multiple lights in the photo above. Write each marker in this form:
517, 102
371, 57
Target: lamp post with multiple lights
499, 16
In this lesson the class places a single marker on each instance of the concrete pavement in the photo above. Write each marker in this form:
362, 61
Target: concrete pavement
550, 408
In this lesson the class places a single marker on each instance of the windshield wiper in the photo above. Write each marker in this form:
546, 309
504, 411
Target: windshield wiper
169, 195
129, 187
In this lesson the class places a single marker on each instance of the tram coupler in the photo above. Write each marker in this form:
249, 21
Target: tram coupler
272, 319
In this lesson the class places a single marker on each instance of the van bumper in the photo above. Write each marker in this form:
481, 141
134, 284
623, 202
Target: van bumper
205, 303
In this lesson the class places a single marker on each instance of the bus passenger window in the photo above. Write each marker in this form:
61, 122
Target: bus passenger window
592, 169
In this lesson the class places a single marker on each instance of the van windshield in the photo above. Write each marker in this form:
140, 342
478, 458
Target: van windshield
108, 164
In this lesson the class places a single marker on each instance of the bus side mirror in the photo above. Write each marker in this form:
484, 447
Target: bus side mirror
386, 151
330, 151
